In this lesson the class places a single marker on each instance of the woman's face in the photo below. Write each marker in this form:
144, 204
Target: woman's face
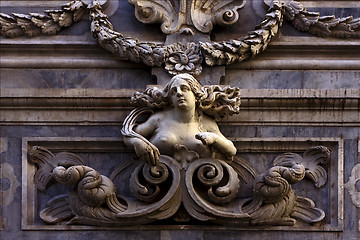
181, 95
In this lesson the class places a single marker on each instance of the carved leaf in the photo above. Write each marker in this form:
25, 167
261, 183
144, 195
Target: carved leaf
287, 159
322, 26
57, 211
29, 28
275, 213
343, 30
47, 25
292, 9
68, 159
65, 19
312, 17
301, 23
306, 211
114, 204
45, 160
78, 14
244, 169
313, 157
55, 14
355, 24
9, 26
73, 5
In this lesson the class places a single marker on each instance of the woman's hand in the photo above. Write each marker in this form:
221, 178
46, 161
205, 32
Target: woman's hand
207, 138
223, 145
148, 153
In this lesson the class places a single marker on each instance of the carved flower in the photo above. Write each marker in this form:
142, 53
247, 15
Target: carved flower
183, 58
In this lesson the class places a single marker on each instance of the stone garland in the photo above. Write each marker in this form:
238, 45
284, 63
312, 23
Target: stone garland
53, 21
35, 24
321, 26
180, 58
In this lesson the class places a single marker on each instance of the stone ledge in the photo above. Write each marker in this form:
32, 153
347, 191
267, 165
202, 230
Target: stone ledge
110, 107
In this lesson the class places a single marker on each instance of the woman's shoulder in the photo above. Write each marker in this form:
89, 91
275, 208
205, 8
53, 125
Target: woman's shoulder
208, 122
158, 115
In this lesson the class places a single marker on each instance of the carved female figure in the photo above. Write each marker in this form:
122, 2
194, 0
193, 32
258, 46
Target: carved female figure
189, 169
185, 118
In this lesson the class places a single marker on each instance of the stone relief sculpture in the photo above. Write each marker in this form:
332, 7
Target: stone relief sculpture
175, 17
185, 18
186, 169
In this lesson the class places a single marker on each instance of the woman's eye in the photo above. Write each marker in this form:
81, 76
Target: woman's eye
185, 88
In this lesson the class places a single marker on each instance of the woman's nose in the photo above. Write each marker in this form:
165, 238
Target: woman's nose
178, 92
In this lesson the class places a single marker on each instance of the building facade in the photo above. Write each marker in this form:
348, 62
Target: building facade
70, 69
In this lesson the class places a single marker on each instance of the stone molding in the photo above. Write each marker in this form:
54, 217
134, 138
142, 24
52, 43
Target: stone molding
87, 106
284, 53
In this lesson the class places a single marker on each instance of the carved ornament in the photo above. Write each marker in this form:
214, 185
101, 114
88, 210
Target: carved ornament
183, 17
185, 169
352, 185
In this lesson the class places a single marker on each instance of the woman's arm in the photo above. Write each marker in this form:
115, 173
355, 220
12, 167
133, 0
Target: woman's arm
214, 137
145, 150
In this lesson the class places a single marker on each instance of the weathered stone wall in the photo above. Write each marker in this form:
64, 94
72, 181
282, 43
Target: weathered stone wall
66, 93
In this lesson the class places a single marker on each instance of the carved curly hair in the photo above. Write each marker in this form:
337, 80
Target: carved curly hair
213, 100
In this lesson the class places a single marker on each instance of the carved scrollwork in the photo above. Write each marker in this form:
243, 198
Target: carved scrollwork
92, 188
146, 180
313, 160
47, 161
209, 192
213, 180
175, 17
274, 200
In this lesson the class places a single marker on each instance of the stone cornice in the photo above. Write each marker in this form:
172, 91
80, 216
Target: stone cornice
285, 53
99, 106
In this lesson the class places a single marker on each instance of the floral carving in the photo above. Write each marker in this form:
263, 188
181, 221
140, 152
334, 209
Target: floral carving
183, 58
